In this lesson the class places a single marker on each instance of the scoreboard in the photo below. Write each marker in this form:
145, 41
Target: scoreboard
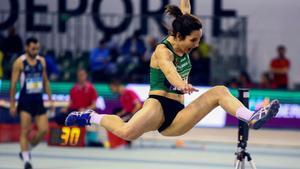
67, 136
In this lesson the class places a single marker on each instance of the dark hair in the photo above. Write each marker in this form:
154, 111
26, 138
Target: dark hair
137, 33
81, 69
31, 40
115, 81
102, 42
267, 75
280, 47
246, 76
184, 24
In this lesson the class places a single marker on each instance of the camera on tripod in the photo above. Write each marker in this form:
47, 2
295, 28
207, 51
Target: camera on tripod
243, 134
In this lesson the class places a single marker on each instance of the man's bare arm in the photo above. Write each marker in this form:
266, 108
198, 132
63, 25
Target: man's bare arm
46, 84
17, 66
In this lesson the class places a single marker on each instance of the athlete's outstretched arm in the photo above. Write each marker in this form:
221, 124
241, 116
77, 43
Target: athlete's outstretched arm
165, 63
185, 6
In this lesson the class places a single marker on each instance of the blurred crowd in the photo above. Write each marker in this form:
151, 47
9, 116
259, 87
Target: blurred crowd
275, 78
130, 61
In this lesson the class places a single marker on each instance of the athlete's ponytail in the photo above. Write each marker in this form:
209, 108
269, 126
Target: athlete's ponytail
183, 24
173, 10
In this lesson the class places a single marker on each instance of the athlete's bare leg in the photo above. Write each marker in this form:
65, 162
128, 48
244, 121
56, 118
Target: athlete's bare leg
199, 108
25, 120
42, 125
149, 118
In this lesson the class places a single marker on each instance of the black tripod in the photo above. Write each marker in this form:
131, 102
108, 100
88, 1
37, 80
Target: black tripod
243, 133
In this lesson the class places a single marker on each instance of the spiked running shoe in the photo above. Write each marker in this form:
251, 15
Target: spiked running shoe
262, 115
79, 118
28, 165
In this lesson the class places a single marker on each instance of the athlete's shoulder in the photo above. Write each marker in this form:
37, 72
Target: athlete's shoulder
21, 58
162, 50
41, 59
18, 62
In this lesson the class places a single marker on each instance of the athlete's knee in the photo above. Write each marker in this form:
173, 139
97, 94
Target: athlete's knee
129, 133
220, 90
24, 131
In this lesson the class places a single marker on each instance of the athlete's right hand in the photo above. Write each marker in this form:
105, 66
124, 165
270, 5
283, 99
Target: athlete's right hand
13, 111
188, 89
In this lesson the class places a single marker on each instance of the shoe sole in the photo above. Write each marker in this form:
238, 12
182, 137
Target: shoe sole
70, 121
20, 156
272, 112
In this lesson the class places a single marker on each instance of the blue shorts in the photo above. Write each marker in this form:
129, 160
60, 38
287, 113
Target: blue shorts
34, 105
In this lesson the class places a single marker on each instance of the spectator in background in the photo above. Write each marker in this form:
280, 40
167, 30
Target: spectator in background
13, 43
100, 65
244, 80
1, 55
133, 51
1, 66
151, 45
113, 49
195, 77
280, 68
130, 102
145, 60
12, 48
1, 41
134, 46
200, 58
52, 69
82, 96
205, 49
83, 89
266, 81
232, 83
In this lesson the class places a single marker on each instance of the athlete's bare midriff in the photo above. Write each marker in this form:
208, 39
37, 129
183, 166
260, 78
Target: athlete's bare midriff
173, 96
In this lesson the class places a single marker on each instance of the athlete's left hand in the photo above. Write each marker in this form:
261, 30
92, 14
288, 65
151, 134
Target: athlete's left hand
13, 110
188, 89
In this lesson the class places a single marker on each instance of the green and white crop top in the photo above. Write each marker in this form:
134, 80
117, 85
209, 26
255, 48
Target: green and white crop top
158, 80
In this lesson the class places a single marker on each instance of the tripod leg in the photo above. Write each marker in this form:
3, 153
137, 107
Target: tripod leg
243, 164
252, 164
237, 164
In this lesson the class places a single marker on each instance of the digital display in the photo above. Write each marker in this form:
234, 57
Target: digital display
67, 136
